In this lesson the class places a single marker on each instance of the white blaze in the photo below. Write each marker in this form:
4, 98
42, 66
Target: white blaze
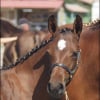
61, 44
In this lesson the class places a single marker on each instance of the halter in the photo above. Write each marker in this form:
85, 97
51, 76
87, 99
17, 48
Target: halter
72, 71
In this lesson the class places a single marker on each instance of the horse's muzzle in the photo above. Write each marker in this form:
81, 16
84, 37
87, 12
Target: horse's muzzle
55, 91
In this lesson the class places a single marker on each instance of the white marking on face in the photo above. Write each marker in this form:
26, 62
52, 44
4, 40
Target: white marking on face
61, 44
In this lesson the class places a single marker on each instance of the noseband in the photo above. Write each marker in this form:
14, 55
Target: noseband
72, 71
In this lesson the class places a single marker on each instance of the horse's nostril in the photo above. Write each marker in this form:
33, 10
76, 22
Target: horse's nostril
61, 87
55, 90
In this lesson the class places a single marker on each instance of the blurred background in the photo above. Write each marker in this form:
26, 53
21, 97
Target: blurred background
31, 16
37, 11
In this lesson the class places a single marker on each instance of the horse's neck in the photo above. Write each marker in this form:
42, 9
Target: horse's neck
29, 72
85, 83
86, 79
90, 71
33, 77
90, 55
29, 63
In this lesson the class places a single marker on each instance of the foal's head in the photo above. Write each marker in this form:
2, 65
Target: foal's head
64, 55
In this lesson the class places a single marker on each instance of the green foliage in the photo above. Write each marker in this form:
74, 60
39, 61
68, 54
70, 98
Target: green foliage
71, 1
71, 15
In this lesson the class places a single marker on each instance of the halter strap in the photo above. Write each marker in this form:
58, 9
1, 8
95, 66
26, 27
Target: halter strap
72, 71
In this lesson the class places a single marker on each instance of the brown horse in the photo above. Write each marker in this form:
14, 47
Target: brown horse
40, 36
28, 78
86, 82
21, 47
65, 57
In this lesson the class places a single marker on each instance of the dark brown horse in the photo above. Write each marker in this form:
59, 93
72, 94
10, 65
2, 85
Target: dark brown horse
28, 78
23, 45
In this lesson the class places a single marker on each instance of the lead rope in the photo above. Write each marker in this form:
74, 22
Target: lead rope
66, 95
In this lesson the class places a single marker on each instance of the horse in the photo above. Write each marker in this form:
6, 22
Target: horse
65, 57
28, 78
86, 81
20, 47
40, 35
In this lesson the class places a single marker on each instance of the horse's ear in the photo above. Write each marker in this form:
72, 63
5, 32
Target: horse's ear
52, 24
78, 25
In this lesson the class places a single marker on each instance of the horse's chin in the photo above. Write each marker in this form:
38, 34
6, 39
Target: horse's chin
56, 96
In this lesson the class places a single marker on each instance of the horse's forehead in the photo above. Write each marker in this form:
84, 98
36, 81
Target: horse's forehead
65, 41
61, 44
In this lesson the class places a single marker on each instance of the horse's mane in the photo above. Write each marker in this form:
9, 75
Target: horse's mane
22, 59
9, 28
93, 23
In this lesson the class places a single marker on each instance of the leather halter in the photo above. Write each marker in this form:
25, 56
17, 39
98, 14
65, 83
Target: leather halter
72, 71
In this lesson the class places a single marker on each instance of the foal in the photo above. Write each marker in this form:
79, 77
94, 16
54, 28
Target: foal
64, 55
86, 82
